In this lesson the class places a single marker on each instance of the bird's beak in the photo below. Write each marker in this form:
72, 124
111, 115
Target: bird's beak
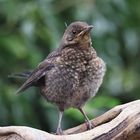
85, 31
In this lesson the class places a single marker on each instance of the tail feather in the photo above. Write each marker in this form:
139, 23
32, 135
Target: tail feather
31, 80
20, 75
24, 75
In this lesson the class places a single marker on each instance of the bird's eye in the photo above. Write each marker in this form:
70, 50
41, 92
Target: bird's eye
74, 32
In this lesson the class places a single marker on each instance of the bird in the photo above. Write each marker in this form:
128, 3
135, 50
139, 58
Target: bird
71, 74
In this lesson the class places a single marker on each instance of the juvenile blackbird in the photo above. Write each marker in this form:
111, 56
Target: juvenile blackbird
71, 74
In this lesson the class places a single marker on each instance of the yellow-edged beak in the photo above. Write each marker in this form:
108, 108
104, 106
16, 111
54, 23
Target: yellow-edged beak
85, 31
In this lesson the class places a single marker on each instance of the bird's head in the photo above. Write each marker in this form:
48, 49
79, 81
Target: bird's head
77, 33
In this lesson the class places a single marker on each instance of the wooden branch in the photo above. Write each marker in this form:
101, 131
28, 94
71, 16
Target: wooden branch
120, 123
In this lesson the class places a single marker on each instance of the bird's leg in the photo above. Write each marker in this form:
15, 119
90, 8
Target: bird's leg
59, 130
89, 124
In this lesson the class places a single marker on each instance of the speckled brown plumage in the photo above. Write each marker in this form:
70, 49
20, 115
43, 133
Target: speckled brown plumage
71, 74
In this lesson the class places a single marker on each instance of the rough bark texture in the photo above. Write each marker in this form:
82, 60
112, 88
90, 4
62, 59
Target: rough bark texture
120, 123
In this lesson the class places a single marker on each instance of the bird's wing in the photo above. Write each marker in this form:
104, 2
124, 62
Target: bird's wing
40, 71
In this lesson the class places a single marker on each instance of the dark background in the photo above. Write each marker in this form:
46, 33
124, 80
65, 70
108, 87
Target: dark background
30, 29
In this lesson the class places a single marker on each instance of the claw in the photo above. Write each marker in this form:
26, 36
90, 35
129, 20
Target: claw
59, 131
89, 125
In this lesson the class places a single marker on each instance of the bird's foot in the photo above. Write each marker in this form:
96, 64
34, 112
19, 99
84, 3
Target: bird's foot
59, 131
89, 125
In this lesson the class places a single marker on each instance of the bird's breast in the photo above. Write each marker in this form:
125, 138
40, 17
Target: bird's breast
95, 71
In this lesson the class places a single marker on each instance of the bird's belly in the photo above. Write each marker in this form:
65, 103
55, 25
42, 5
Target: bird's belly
91, 83
60, 87
66, 90
96, 76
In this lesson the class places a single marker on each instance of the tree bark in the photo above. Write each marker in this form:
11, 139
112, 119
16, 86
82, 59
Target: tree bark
120, 123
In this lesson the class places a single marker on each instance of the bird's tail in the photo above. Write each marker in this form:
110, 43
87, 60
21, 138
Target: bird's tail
24, 75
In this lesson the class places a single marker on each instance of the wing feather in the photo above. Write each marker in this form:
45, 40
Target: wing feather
41, 70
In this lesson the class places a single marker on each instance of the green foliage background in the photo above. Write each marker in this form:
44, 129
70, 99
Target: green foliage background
30, 29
